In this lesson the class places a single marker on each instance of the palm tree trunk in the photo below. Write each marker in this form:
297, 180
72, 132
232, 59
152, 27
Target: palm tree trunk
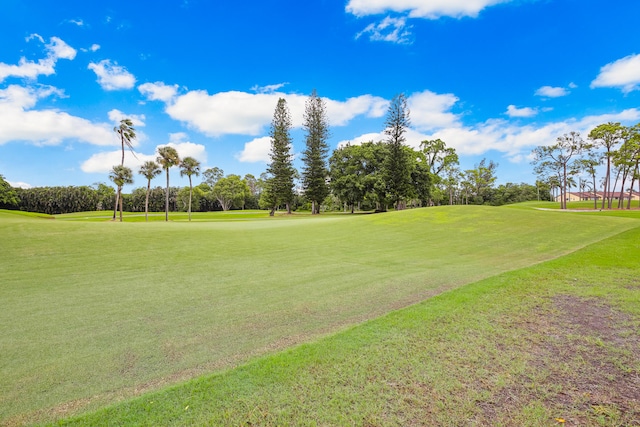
190, 191
115, 206
166, 204
633, 181
120, 197
595, 194
146, 202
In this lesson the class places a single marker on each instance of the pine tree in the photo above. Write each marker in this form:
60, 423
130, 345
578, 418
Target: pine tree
281, 169
397, 165
315, 169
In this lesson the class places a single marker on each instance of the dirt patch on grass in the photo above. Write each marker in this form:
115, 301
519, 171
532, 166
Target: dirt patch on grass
584, 367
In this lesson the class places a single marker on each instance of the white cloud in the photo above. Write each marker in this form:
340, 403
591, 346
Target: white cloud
514, 140
340, 113
429, 9
256, 150
60, 50
94, 48
513, 111
393, 30
48, 127
116, 115
243, 113
56, 49
429, 110
189, 149
19, 184
158, 91
268, 88
34, 36
104, 161
79, 22
226, 112
552, 92
623, 73
112, 76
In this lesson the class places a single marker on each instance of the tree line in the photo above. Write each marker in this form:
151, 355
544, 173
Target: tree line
375, 175
574, 162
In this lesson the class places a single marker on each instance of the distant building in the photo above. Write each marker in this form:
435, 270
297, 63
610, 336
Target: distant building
588, 195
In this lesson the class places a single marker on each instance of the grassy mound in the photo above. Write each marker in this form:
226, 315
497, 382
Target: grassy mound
95, 312
553, 344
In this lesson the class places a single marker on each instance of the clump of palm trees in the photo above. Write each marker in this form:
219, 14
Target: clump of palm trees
166, 159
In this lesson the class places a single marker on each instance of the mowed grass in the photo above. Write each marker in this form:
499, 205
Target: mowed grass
94, 312
557, 343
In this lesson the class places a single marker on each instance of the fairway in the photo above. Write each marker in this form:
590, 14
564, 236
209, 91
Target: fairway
94, 312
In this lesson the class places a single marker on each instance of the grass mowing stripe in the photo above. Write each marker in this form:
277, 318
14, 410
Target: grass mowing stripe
96, 311
501, 351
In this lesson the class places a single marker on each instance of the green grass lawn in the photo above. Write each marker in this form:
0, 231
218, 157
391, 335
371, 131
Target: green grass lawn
94, 312
553, 344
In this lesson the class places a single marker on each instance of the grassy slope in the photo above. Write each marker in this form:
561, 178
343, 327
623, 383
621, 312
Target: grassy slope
556, 343
93, 312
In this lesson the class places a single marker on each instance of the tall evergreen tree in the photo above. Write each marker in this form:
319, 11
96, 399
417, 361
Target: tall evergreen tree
281, 169
398, 164
315, 171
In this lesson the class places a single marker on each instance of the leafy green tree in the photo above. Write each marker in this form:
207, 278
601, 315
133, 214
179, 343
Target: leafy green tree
348, 175
481, 180
212, 175
167, 158
607, 136
187, 195
315, 172
398, 163
438, 157
8, 195
255, 187
281, 169
634, 141
231, 191
560, 160
189, 166
589, 164
453, 177
106, 195
121, 175
149, 170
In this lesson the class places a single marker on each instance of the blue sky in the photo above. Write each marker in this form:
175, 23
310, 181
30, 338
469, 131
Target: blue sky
492, 78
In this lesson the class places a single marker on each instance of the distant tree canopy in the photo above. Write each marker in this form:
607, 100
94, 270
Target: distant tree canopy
574, 162
8, 195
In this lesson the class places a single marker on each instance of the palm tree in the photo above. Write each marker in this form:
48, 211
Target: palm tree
150, 170
121, 175
167, 157
127, 134
189, 166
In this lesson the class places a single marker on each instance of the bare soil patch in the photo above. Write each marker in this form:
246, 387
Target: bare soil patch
584, 367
